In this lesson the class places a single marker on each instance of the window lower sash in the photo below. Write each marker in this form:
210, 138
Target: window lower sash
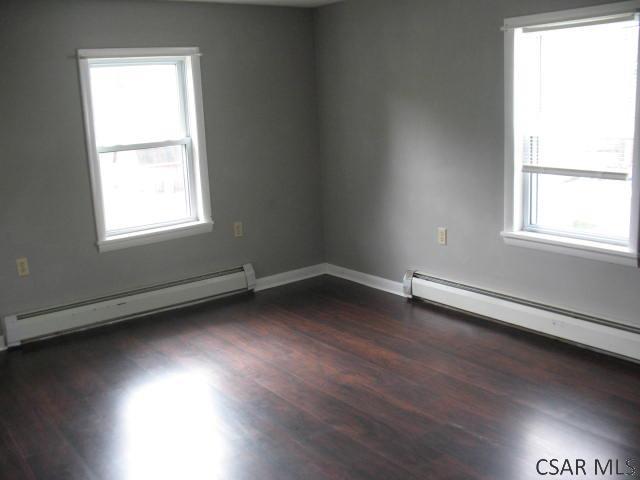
530, 202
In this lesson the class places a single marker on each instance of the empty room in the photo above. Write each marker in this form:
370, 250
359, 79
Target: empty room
319, 239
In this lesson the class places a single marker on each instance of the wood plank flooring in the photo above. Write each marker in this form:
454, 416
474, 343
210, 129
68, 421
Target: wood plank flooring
324, 379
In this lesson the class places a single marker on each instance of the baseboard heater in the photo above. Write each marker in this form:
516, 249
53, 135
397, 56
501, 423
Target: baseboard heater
585, 330
41, 324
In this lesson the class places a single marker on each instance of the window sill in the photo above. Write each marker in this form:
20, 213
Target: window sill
154, 236
569, 246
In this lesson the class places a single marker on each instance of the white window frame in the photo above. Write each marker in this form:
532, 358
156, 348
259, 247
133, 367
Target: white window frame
188, 58
514, 232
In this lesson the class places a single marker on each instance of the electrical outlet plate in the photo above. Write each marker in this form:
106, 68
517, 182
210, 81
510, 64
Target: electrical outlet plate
238, 229
22, 265
442, 236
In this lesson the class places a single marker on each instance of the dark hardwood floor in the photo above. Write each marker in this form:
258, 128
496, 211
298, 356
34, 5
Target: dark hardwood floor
321, 379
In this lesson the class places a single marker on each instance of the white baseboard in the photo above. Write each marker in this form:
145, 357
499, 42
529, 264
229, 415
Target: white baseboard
3, 344
372, 281
291, 276
597, 336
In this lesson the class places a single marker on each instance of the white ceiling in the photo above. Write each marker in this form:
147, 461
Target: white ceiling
282, 3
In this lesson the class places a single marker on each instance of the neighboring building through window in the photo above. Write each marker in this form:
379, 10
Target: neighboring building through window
145, 131
571, 129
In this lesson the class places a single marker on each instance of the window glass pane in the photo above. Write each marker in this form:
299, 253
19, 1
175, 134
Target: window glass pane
576, 96
136, 103
583, 206
144, 187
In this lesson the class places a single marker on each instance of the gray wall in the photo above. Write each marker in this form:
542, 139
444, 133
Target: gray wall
260, 112
411, 133
411, 109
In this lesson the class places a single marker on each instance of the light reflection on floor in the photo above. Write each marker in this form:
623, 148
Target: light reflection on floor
172, 429
548, 438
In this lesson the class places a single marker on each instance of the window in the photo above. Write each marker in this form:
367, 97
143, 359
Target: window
571, 131
145, 135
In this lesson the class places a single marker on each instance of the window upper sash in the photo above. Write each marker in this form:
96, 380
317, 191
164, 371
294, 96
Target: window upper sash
143, 146
571, 172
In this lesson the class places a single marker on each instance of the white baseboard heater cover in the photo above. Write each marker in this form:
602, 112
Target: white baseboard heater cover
40, 324
585, 330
